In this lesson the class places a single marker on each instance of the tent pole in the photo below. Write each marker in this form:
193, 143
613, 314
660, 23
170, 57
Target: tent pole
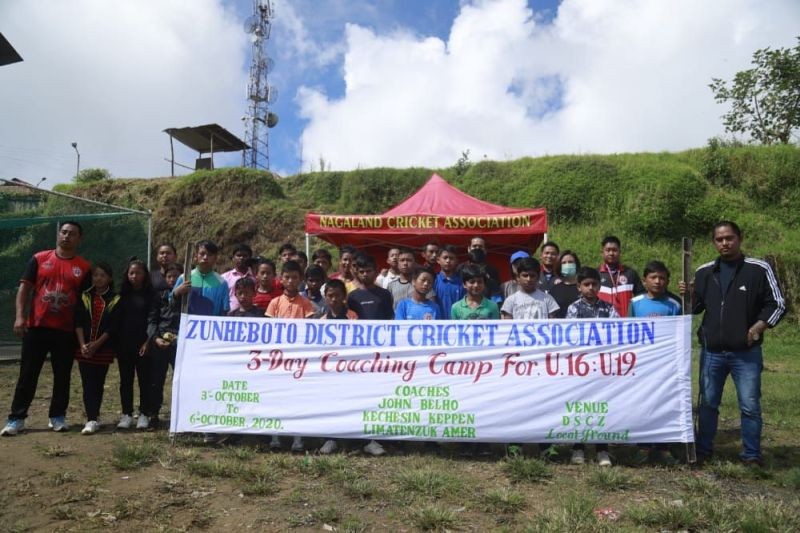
308, 246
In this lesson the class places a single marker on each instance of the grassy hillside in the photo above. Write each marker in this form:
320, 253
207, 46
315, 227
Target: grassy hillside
649, 200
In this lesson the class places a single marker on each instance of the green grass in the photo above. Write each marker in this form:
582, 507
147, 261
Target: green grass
791, 478
427, 482
134, 455
328, 515
262, 484
190, 486
572, 512
611, 479
216, 468
433, 518
504, 500
523, 469
699, 485
664, 514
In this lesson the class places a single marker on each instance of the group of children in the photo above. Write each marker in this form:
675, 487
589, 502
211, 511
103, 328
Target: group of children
139, 325
138, 328
436, 289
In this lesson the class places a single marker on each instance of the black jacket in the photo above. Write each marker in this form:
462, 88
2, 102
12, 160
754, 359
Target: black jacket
164, 317
752, 295
109, 321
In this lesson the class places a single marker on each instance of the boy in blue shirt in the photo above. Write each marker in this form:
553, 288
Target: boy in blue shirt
209, 291
418, 307
448, 286
655, 302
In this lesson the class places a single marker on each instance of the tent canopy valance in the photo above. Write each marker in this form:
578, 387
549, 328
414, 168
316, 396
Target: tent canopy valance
437, 211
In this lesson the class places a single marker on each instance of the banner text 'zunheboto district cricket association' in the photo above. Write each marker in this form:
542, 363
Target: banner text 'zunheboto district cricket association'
623, 380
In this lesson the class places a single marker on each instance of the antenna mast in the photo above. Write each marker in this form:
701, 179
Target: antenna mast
260, 94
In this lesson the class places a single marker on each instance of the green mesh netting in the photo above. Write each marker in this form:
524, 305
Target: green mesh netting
29, 222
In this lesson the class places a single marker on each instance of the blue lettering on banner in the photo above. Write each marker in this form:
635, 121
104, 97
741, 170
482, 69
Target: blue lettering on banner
377, 335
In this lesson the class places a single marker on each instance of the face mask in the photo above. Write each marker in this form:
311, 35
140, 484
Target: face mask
569, 269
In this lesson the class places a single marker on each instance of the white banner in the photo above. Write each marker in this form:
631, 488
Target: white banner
560, 381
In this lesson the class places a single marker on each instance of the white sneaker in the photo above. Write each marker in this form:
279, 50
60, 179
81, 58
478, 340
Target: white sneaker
373, 448
91, 427
275, 443
125, 422
13, 427
143, 422
297, 445
58, 423
603, 459
578, 457
329, 447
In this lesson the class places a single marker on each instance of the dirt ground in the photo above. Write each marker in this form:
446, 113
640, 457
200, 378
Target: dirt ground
134, 481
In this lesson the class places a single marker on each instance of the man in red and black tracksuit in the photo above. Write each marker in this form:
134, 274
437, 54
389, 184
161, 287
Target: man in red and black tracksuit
741, 298
52, 282
618, 283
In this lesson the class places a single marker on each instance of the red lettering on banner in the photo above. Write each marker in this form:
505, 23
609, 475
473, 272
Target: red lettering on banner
459, 368
520, 368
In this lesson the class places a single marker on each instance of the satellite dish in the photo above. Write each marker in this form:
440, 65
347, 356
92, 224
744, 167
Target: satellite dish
251, 24
272, 120
272, 94
268, 64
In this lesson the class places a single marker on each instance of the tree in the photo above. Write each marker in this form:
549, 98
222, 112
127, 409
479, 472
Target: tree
463, 164
765, 100
90, 175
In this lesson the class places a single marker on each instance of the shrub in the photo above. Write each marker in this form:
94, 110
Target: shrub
658, 209
91, 175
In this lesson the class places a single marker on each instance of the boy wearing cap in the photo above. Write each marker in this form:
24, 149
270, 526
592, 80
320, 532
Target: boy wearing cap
511, 286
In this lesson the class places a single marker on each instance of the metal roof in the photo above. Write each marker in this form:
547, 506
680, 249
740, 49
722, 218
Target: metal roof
7, 53
198, 138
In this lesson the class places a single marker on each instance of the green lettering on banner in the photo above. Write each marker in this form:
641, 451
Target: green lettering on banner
395, 403
391, 417
459, 432
218, 420
401, 430
233, 385
451, 418
438, 405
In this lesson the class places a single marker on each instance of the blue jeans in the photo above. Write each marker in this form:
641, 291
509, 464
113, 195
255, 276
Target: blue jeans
745, 369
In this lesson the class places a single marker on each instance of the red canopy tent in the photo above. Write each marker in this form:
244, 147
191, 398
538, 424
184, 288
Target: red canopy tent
442, 213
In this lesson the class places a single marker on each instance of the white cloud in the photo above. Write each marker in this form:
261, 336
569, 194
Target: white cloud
631, 75
296, 42
112, 76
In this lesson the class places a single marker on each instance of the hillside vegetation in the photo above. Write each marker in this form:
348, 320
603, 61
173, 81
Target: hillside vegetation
649, 200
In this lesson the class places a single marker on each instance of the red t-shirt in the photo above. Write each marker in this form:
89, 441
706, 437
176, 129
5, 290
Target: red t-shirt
262, 299
57, 284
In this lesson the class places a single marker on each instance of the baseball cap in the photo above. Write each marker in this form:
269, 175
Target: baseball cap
519, 255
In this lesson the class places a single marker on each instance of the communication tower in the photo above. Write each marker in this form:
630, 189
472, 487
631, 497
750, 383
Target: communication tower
260, 94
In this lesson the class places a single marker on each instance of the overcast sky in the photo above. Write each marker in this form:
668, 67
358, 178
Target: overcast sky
372, 83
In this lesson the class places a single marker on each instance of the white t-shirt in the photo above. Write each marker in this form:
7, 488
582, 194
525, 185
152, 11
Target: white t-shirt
384, 281
535, 305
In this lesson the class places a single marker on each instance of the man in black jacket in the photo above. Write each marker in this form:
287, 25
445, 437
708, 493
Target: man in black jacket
741, 298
